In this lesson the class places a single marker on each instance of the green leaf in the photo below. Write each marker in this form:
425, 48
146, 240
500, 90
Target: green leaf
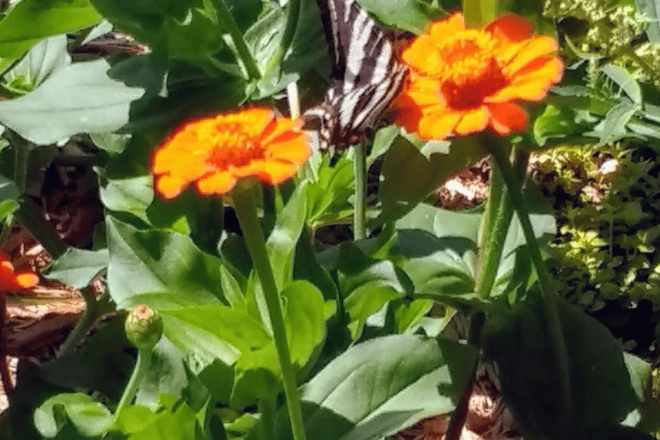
183, 28
651, 9
382, 386
33, 20
110, 142
80, 98
614, 124
327, 198
382, 142
7, 208
131, 195
44, 59
410, 15
625, 81
90, 418
167, 374
366, 285
159, 262
209, 333
8, 189
561, 123
134, 418
78, 267
304, 321
178, 422
432, 163
600, 385
281, 243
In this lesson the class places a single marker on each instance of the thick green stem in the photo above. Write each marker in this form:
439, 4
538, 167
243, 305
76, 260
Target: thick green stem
141, 368
21, 155
252, 233
93, 311
497, 219
360, 216
226, 20
547, 289
459, 415
287, 37
267, 417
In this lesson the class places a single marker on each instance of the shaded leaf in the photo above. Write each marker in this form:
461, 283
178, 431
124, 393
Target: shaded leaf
159, 262
77, 99
78, 267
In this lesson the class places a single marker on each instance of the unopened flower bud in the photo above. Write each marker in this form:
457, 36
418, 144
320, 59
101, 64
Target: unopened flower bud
144, 327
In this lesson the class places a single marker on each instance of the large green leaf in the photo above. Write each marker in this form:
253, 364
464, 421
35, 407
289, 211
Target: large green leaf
44, 59
410, 173
366, 285
208, 333
159, 262
80, 98
602, 385
411, 15
32, 20
184, 28
77, 267
382, 386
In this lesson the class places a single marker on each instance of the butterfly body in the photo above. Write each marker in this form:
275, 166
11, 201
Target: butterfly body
365, 71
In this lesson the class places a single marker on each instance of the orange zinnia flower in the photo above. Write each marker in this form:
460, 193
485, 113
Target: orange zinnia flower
213, 153
10, 280
463, 80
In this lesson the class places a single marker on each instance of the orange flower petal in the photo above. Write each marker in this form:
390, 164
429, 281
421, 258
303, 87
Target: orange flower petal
276, 172
295, 150
472, 121
535, 48
421, 54
170, 186
282, 127
217, 183
533, 86
26, 280
511, 27
213, 153
439, 125
507, 118
441, 29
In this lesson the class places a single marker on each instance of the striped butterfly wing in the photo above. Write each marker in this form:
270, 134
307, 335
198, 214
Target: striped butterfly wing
366, 74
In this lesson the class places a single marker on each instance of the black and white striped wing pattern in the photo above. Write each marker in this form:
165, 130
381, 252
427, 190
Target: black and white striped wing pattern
366, 74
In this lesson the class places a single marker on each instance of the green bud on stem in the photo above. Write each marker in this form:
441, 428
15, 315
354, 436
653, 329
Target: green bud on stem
144, 327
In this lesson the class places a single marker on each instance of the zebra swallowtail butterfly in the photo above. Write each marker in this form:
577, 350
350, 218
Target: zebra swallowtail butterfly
365, 71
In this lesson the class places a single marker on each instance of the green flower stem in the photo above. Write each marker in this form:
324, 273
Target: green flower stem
497, 219
29, 216
141, 368
459, 416
252, 233
94, 310
360, 168
547, 289
287, 37
267, 417
226, 20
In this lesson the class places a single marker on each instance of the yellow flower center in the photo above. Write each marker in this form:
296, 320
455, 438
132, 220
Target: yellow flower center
468, 69
232, 144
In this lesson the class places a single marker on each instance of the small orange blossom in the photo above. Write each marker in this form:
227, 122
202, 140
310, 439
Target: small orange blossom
10, 280
464, 80
213, 153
